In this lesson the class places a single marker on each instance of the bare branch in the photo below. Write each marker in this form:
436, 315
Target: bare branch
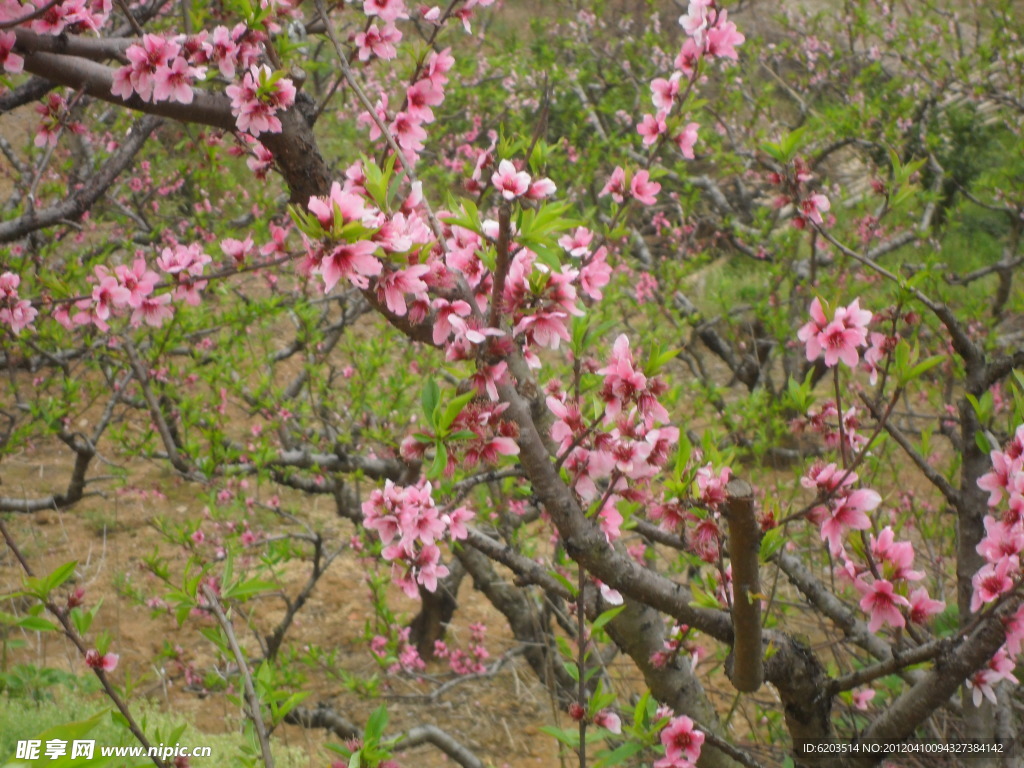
952, 495
431, 734
74, 206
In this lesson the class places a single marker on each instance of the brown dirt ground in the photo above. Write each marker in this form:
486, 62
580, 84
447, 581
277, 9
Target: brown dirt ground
498, 718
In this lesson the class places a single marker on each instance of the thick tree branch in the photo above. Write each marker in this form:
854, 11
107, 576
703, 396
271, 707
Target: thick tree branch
96, 80
84, 454
907, 712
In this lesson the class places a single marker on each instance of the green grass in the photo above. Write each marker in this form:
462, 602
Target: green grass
69, 699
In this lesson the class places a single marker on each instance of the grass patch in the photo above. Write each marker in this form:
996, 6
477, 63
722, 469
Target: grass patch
58, 698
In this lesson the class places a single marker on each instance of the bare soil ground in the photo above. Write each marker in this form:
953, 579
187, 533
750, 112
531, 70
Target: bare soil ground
497, 717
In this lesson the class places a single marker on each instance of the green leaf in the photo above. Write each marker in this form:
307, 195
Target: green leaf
60, 575
924, 366
429, 398
982, 408
569, 737
67, 732
375, 725
440, 462
572, 670
619, 755
786, 148
452, 411
607, 616
564, 581
37, 624
772, 541
469, 218
246, 589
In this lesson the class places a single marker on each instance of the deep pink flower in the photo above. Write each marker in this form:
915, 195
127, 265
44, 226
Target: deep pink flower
354, 261
448, 317
596, 274
643, 189
998, 480
712, 486
421, 96
616, 186
686, 140
108, 293
863, 697
439, 64
408, 132
387, 10
52, 21
695, 21
540, 189
681, 740
923, 607
896, 557
174, 81
623, 383
153, 310
225, 52
813, 206
845, 513
665, 91
1002, 540
578, 243
10, 62
827, 478
19, 315
545, 329
509, 182
392, 287
346, 205
138, 280
990, 582
651, 127
1000, 667
107, 662
378, 42
838, 338
881, 603
608, 719
723, 38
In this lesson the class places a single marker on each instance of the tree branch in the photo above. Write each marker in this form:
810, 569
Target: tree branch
74, 206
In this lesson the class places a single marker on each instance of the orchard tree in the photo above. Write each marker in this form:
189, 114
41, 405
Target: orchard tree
675, 338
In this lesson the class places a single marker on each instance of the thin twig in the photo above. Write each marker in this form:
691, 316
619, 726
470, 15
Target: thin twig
250, 692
